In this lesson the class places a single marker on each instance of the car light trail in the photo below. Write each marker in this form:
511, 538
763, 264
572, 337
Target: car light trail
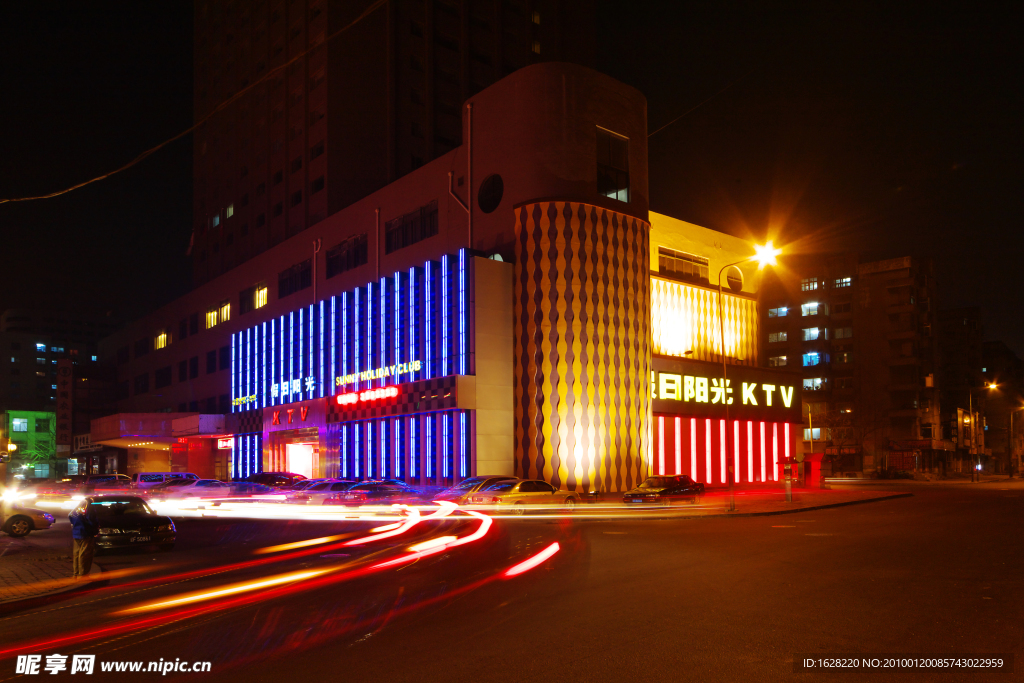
229, 590
300, 544
432, 543
414, 519
386, 527
533, 562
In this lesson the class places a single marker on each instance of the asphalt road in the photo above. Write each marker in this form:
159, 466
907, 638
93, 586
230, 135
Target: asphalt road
701, 600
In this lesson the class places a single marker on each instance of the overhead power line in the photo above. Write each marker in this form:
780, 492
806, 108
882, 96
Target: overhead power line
695, 108
220, 107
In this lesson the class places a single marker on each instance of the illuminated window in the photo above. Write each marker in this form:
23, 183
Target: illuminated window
251, 298
776, 361
535, 17
812, 358
215, 221
775, 337
230, 211
816, 435
261, 296
841, 308
612, 165
812, 333
19, 424
211, 318
162, 340
225, 311
844, 357
39, 361
814, 384
814, 308
535, 47
844, 383
844, 332
682, 265
780, 312
41, 347
809, 284
843, 282
95, 358
57, 349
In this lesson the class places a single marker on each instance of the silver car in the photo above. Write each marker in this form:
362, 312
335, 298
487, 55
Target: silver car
20, 520
518, 497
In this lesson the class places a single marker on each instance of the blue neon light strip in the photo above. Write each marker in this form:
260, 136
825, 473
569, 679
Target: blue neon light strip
463, 443
444, 444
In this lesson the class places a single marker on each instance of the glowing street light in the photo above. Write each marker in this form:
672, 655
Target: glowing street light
765, 256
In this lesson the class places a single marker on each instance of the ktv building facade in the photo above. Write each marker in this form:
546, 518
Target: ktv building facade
512, 307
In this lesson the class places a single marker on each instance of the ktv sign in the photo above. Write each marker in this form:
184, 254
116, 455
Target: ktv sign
698, 389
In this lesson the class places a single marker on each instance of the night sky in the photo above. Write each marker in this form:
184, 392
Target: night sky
892, 130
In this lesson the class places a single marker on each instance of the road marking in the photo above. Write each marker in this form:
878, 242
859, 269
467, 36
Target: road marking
616, 532
783, 526
818, 534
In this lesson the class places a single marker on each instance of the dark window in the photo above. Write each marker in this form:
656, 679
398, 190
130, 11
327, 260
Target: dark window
122, 390
247, 300
193, 367
182, 407
193, 406
182, 370
15, 346
261, 220
211, 362
162, 377
411, 228
224, 403
296, 198
141, 347
316, 151
294, 279
182, 329
278, 177
211, 405
245, 200
612, 165
278, 209
122, 355
225, 357
261, 189
141, 384
346, 255
193, 323
316, 185
297, 164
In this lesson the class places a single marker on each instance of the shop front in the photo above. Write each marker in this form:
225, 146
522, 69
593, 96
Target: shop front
705, 426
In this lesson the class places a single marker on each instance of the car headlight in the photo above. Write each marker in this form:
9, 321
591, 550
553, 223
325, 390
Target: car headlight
165, 527
107, 531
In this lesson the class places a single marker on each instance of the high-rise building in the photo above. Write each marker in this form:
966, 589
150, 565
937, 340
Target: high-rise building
862, 335
313, 106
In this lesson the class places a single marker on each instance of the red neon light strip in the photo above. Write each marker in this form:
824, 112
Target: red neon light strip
786, 431
764, 475
661, 444
708, 477
736, 451
722, 448
533, 561
679, 445
750, 451
775, 449
693, 448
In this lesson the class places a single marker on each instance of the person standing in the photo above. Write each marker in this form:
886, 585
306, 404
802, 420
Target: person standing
84, 527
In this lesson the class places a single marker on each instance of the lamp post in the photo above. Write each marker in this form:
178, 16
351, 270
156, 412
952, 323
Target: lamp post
1010, 447
974, 424
765, 256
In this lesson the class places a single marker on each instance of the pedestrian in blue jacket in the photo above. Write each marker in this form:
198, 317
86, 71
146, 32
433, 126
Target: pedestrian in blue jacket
84, 527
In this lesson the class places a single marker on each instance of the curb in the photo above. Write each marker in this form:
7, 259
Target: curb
771, 513
76, 585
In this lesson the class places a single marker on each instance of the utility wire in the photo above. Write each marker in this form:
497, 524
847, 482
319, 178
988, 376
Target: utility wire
220, 107
693, 109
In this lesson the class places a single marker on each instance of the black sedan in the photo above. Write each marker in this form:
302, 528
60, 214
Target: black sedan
665, 490
128, 521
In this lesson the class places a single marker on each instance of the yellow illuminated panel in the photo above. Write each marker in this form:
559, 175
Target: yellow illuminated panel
211, 318
161, 340
225, 312
261, 297
685, 318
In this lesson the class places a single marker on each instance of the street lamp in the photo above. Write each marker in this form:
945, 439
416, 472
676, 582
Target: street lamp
765, 256
971, 421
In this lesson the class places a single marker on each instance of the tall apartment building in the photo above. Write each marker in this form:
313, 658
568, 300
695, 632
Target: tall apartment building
341, 112
862, 336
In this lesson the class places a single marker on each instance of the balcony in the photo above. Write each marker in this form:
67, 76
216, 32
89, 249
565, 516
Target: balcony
900, 307
904, 360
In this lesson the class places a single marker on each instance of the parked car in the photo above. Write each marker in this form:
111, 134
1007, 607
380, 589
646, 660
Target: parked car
518, 496
126, 521
20, 520
665, 490
275, 479
146, 480
464, 490
107, 480
317, 493
377, 493
304, 484
249, 489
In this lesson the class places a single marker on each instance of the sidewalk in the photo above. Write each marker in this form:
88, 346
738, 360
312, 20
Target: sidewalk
749, 503
28, 571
